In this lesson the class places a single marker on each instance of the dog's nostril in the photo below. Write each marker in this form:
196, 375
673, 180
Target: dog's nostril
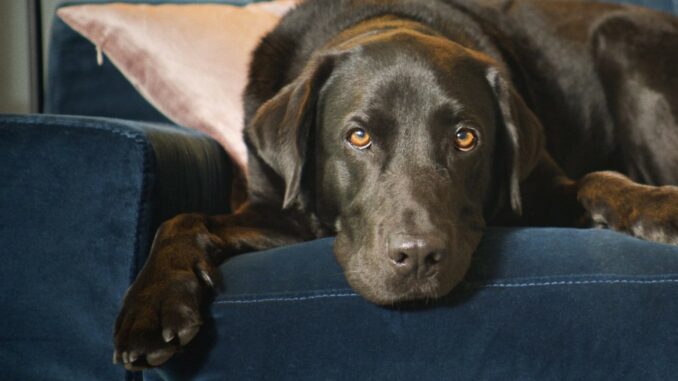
433, 258
401, 258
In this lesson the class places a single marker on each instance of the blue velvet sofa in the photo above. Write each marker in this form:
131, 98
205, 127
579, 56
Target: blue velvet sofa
83, 187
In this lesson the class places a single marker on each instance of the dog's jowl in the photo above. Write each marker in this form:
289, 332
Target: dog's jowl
406, 127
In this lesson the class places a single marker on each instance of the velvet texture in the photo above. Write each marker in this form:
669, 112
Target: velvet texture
537, 304
80, 200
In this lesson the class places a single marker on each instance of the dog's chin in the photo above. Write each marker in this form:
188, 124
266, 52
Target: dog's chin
385, 296
381, 287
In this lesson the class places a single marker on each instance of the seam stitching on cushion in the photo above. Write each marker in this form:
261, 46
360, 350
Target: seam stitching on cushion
79, 123
288, 299
98, 125
571, 282
283, 294
472, 285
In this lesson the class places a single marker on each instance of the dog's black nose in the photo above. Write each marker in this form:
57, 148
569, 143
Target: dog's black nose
416, 256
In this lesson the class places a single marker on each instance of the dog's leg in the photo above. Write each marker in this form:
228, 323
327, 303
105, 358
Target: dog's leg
636, 58
613, 200
161, 310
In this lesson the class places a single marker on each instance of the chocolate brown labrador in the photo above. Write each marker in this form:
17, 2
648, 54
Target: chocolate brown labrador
405, 127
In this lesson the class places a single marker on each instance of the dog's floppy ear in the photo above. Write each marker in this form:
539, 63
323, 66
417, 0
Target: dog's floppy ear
280, 129
520, 132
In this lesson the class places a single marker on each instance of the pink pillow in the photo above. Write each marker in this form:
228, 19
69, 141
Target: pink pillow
188, 60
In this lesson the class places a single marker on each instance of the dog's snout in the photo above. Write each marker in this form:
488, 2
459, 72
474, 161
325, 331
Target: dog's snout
416, 256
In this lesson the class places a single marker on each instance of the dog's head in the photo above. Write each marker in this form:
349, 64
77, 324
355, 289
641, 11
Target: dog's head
403, 142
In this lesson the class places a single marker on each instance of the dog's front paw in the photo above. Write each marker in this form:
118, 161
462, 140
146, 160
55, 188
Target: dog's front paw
160, 314
612, 200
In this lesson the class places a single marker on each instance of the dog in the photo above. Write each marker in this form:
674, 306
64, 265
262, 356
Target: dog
405, 127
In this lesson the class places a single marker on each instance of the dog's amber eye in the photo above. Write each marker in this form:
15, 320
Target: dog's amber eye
466, 139
359, 138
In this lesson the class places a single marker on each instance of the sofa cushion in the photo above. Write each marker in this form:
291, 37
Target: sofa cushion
537, 304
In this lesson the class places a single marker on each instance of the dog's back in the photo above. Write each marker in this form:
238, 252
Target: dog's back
602, 78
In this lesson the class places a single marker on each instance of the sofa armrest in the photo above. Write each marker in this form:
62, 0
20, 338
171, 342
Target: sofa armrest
80, 199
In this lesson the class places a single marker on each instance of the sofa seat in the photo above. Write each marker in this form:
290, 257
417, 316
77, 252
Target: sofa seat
537, 304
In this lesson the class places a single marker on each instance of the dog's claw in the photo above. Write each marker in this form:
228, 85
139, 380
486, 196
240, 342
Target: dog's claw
206, 278
116, 357
187, 334
203, 273
168, 335
133, 356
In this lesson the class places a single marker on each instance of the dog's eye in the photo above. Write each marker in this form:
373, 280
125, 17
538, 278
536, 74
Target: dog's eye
359, 138
466, 139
